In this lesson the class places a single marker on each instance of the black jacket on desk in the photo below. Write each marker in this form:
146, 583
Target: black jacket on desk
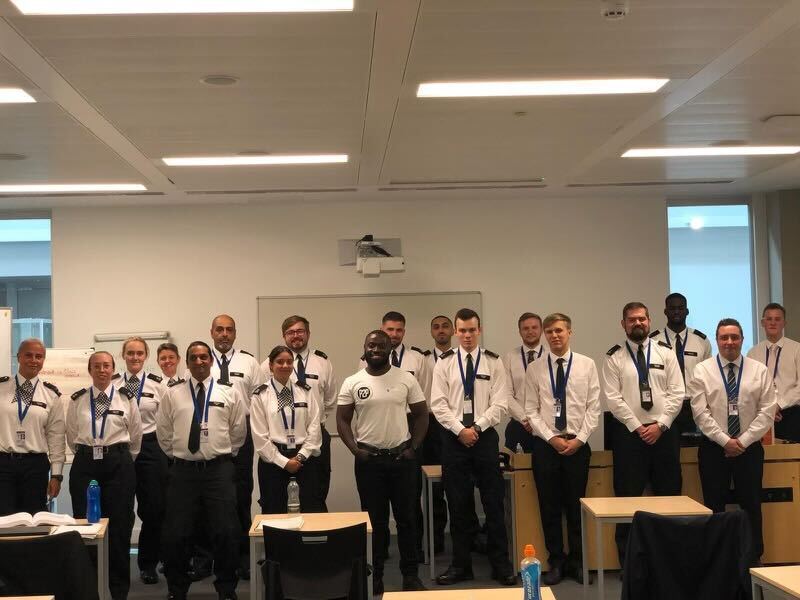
688, 558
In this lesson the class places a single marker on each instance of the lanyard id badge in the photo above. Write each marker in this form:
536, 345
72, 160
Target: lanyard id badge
204, 432
21, 436
202, 418
645, 392
731, 390
557, 407
291, 439
97, 449
469, 384
22, 413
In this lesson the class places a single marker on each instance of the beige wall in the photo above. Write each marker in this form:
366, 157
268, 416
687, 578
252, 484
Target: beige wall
784, 217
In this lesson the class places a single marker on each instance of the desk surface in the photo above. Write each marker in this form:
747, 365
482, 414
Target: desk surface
506, 593
435, 472
783, 578
316, 521
663, 505
103, 527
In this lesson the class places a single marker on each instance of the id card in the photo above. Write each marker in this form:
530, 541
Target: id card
291, 443
204, 433
646, 396
467, 405
21, 437
733, 407
97, 452
557, 408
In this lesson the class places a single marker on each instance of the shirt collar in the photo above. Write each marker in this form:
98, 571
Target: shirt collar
674, 333
400, 350
779, 343
229, 354
205, 382
634, 346
567, 357
21, 380
140, 375
474, 353
437, 353
278, 385
725, 362
537, 348
305, 354
106, 391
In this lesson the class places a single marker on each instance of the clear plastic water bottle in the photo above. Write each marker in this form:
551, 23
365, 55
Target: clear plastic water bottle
531, 570
519, 449
93, 502
293, 495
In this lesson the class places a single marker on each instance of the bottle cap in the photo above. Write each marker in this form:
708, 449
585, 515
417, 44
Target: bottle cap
529, 551
93, 482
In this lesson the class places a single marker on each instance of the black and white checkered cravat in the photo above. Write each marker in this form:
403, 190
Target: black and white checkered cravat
133, 385
103, 404
26, 393
284, 398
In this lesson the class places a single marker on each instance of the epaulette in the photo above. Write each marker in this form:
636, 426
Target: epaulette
665, 344
700, 334
78, 394
4, 378
176, 382
321, 353
448, 353
50, 386
126, 392
490, 353
613, 349
260, 388
655, 333
155, 377
116, 376
246, 352
423, 352
225, 383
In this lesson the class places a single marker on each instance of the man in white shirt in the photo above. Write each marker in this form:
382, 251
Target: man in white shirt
733, 402
562, 404
385, 450
516, 361
782, 357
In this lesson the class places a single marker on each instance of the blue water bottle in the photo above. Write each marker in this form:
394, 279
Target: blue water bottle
531, 570
93, 502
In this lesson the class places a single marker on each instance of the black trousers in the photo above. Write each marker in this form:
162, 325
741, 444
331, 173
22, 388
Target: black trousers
560, 484
746, 470
324, 465
789, 426
203, 492
117, 478
23, 482
272, 482
383, 481
151, 488
517, 434
432, 455
459, 465
243, 464
637, 464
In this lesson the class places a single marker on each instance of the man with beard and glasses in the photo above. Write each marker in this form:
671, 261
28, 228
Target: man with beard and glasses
644, 391
385, 450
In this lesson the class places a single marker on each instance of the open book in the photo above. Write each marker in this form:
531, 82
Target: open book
293, 523
23, 519
90, 531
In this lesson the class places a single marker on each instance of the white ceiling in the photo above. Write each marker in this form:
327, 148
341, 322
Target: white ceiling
115, 94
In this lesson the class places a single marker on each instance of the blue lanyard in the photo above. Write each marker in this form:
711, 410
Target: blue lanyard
141, 387
525, 358
777, 360
642, 376
469, 386
219, 362
283, 410
400, 356
566, 377
733, 393
93, 409
24, 413
194, 402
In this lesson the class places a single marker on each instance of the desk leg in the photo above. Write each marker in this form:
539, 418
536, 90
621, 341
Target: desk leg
102, 568
427, 549
431, 552
513, 554
369, 562
584, 553
599, 541
256, 579
757, 593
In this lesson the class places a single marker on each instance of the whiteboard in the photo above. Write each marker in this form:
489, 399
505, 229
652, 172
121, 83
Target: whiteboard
5, 343
112, 343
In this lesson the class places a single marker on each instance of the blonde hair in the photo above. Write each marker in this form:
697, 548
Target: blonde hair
135, 338
554, 317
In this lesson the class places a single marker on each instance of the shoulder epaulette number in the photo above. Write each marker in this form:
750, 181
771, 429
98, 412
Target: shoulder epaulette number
52, 387
154, 377
176, 382
4, 378
655, 333
490, 353
321, 353
613, 349
303, 386
225, 383
78, 394
116, 376
700, 334
665, 344
448, 353
126, 392
260, 388
246, 352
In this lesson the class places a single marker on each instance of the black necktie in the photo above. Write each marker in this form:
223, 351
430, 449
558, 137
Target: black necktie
469, 418
395, 360
734, 426
26, 393
642, 362
301, 371
223, 369
531, 356
561, 390
679, 352
103, 404
194, 430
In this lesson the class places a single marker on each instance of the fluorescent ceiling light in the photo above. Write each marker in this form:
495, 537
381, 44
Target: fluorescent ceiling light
269, 159
557, 87
71, 188
140, 7
711, 151
11, 95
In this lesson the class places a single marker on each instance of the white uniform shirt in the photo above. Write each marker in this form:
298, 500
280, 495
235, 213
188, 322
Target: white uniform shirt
43, 424
583, 396
516, 364
620, 381
227, 427
244, 373
431, 358
147, 395
414, 361
123, 425
269, 425
319, 376
490, 403
381, 403
710, 400
787, 375
696, 349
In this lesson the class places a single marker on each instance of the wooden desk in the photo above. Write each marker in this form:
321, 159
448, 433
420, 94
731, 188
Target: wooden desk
506, 593
784, 582
621, 510
29, 598
311, 522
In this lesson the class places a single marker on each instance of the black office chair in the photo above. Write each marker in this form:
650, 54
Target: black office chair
57, 565
315, 565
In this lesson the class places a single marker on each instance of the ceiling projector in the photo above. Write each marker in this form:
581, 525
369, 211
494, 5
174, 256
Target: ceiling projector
372, 259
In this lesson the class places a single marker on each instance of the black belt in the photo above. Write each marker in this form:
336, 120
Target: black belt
567, 436
202, 464
150, 436
112, 449
21, 455
396, 451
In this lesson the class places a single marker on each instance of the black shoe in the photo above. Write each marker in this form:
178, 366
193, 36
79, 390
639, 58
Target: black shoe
553, 576
412, 583
148, 576
197, 575
243, 573
504, 576
228, 596
454, 575
176, 596
377, 586
576, 572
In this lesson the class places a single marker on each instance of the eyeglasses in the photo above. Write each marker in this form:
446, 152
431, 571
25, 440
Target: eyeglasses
294, 332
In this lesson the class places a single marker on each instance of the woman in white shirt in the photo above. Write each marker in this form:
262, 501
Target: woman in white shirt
285, 422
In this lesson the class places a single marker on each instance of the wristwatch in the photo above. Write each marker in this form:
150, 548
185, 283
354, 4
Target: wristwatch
58, 478
662, 427
477, 428
301, 458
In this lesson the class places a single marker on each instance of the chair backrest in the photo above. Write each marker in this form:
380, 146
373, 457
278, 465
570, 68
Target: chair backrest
56, 565
316, 565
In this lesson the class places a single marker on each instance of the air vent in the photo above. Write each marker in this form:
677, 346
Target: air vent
650, 183
468, 181
275, 191
463, 187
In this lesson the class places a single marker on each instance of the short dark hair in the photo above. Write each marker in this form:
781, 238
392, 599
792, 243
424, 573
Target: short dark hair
278, 350
167, 346
633, 306
773, 306
294, 320
441, 317
528, 315
555, 318
393, 315
465, 314
111, 356
728, 322
197, 343
379, 333
676, 295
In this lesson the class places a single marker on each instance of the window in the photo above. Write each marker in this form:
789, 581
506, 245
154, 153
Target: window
710, 262
25, 275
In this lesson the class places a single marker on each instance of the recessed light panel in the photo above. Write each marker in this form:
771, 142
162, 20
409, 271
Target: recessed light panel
15, 95
143, 7
556, 87
711, 151
240, 161
71, 188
